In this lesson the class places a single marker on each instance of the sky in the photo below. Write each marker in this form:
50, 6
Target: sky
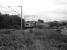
45, 9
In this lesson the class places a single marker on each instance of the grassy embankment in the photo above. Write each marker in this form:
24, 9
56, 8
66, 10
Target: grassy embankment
34, 39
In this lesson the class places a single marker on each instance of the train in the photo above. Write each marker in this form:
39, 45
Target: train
30, 24
33, 24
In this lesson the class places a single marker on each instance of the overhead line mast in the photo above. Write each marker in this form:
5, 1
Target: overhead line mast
21, 16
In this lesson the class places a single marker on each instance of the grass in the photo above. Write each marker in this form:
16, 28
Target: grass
31, 39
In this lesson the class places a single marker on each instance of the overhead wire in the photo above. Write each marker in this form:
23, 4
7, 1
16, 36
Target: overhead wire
10, 10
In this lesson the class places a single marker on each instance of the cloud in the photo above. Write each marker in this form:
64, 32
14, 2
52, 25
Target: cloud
59, 14
58, 11
49, 9
61, 2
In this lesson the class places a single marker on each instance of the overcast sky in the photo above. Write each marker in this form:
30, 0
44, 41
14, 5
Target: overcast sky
47, 9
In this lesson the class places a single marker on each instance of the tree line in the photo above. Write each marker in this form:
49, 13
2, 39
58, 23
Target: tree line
10, 21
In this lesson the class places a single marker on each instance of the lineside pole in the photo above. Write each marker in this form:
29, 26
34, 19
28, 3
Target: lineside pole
21, 17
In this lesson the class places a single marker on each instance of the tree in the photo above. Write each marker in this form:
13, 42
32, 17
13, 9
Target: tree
10, 21
41, 21
54, 24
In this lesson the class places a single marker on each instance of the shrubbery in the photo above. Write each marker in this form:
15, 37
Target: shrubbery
31, 39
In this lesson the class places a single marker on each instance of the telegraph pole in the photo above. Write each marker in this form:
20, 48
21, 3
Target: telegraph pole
20, 14
21, 17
